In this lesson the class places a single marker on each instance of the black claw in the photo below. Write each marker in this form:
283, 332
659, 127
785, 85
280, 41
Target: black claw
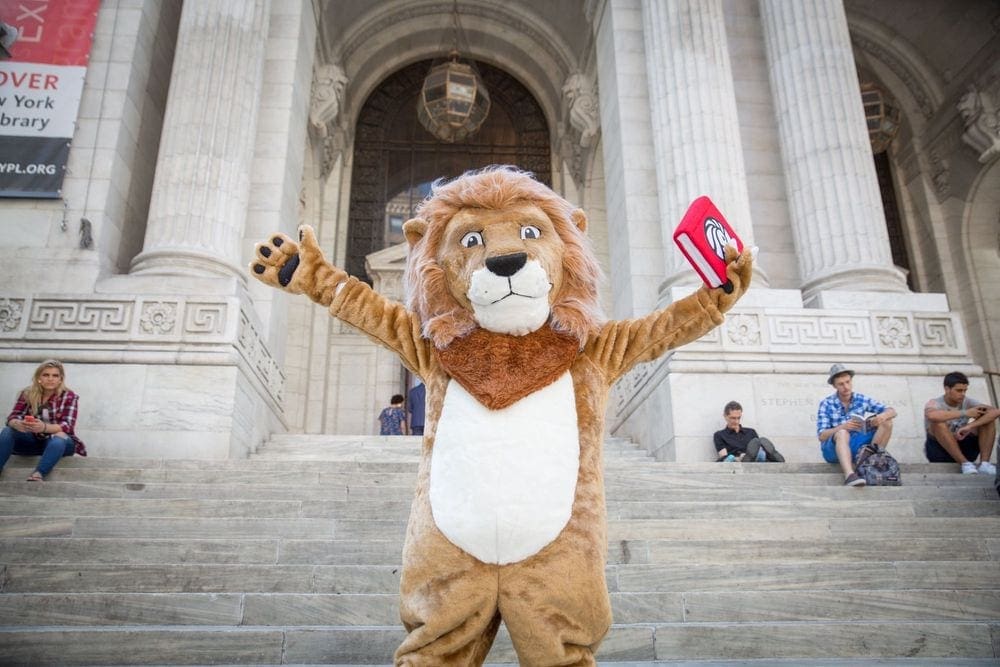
728, 287
277, 241
301, 234
258, 268
265, 251
285, 274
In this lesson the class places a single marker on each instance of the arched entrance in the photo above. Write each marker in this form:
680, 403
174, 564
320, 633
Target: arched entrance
395, 158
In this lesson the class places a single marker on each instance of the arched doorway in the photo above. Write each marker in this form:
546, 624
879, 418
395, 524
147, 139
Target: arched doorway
395, 158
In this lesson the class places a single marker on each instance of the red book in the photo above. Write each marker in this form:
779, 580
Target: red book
702, 237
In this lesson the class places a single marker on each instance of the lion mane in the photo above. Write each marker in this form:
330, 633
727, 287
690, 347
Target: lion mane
576, 309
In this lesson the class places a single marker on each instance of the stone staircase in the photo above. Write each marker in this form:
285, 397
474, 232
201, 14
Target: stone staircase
292, 557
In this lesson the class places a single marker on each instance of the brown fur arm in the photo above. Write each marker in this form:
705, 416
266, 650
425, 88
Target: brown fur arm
386, 322
301, 268
623, 344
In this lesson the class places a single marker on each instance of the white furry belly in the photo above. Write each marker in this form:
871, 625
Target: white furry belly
503, 481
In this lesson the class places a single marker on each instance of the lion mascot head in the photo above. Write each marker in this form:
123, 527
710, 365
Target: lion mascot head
497, 249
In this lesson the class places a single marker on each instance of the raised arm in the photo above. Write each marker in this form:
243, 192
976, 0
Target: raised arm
625, 343
301, 268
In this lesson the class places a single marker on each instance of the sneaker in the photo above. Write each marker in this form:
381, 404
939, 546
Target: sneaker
968, 468
854, 480
987, 468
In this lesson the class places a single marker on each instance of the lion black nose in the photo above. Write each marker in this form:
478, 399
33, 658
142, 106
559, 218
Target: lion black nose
507, 265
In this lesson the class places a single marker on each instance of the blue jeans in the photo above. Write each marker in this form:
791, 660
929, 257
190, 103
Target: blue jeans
26, 444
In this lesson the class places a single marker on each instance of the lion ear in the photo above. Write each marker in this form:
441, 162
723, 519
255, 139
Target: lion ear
414, 230
579, 219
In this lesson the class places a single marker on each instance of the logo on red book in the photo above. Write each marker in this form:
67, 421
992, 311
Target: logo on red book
718, 237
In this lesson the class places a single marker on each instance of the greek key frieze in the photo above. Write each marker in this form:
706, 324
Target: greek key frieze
936, 334
106, 317
826, 331
255, 351
205, 318
628, 386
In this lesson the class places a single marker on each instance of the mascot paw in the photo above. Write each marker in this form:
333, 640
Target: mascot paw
299, 268
275, 261
739, 269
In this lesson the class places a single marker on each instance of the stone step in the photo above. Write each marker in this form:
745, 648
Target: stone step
633, 484
290, 551
161, 561
852, 549
384, 462
734, 529
319, 609
976, 490
355, 509
766, 662
765, 575
255, 645
773, 575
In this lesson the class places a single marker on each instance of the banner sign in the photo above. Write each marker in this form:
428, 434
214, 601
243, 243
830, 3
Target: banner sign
40, 89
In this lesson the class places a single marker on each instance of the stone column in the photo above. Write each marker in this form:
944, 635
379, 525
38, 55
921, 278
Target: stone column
201, 186
838, 222
696, 133
635, 249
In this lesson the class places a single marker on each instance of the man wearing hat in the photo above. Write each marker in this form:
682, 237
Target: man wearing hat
847, 421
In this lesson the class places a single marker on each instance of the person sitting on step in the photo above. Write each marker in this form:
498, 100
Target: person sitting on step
43, 421
846, 421
740, 443
960, 428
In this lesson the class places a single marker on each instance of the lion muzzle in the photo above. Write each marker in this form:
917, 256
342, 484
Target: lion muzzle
511, 299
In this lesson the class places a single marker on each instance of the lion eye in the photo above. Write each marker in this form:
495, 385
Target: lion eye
472, 239
530, 232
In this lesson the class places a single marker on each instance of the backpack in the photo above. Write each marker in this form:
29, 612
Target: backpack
877, 466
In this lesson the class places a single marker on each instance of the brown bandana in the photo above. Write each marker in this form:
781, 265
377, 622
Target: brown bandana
500, 369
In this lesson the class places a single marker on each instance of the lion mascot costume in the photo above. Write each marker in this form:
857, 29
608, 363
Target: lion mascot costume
502, 322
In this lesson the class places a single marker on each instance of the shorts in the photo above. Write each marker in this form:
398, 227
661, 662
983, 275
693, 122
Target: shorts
858, 440
938, 454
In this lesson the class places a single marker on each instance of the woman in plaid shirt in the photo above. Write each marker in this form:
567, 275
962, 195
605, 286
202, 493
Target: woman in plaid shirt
43, 422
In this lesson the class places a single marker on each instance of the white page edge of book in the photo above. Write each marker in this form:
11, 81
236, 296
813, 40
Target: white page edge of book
694, 256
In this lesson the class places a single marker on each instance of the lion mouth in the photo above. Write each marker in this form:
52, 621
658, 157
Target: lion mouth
512, 292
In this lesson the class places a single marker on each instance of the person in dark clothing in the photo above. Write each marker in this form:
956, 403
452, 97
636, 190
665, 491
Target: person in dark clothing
740, 443
415, 408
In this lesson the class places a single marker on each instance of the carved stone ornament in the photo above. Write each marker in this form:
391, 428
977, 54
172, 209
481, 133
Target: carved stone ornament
744, 329
940, 175
982, 123
334, 143
581, 104
158, 318
328, 86
11, 311
573, 155
894, 332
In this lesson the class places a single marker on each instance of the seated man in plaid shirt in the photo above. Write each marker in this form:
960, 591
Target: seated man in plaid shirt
847, 421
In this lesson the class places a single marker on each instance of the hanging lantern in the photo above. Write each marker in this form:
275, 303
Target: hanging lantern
882, 115
453, 102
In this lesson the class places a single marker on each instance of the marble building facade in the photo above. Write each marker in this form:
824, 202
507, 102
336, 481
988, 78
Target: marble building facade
205, 125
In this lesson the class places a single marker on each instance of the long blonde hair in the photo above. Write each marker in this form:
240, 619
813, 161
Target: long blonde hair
33, 394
